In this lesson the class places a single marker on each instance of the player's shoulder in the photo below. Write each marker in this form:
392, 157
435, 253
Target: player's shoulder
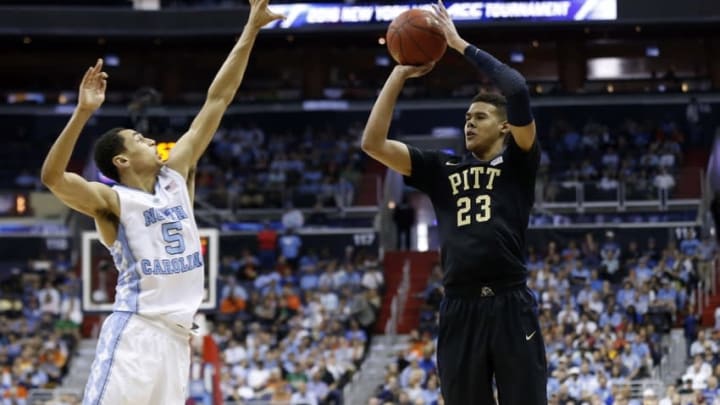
432, 155
511, 146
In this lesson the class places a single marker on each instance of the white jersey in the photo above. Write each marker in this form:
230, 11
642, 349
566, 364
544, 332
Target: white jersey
157, 252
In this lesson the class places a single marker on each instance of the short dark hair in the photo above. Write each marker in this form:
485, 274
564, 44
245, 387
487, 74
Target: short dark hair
498, 100
107, 147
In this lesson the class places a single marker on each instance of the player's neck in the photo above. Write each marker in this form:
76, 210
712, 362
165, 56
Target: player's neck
489, 153
140, 181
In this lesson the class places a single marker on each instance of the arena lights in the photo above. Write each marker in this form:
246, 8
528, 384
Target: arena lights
306, 14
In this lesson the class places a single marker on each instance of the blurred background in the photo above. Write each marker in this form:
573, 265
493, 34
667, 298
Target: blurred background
323, 276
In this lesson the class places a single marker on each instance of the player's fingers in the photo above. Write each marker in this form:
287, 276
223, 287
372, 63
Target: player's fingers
439, 14
436, 9
443, 10
86, 76
98, 66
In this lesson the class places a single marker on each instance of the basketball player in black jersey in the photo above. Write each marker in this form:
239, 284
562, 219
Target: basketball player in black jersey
488, 319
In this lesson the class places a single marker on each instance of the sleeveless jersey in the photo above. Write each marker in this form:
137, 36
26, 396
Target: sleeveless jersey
158, 253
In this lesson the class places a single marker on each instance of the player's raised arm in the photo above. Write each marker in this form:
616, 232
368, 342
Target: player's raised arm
392, 154
222, 91
94, 199
510, 82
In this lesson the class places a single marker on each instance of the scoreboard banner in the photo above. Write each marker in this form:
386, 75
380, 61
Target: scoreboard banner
301, 15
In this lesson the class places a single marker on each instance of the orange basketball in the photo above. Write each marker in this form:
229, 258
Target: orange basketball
414, 38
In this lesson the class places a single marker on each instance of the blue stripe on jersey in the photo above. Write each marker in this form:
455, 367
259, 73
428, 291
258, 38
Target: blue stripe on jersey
127, 292
107, 344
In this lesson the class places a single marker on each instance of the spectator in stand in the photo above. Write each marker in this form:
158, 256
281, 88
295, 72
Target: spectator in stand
267, 240
663, 180
290, 245
698, 373
404, 218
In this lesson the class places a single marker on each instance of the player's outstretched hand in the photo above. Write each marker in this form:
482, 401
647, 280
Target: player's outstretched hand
446, 24
409, 71
92, 88
261, 15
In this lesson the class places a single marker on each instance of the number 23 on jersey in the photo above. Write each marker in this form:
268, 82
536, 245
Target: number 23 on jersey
479, 210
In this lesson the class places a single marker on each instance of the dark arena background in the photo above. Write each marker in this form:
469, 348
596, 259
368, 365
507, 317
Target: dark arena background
322, 268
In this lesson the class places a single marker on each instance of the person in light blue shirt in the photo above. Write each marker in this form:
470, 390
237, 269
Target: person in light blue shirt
290, 245
354, 275
231, 286
643, 271
626, 296
355, 332
580, 274
642, 302
667, 295
309, 279
640, 348
711, 392
603, 390
690, 244
613, 319
553, 383
583, 296
431, 394
534, 262
596, 282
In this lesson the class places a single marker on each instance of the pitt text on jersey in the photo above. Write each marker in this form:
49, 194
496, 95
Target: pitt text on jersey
175, 244
473, 178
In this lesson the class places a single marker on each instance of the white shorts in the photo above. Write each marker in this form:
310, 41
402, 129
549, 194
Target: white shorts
138, 361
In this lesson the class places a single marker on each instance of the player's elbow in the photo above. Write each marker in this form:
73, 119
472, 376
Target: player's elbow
48, 178
220, 97
368, 145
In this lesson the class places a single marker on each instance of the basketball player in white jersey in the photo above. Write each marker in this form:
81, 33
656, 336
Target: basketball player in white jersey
147, 223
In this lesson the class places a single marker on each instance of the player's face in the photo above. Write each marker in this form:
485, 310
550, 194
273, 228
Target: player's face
140, 151
484, 126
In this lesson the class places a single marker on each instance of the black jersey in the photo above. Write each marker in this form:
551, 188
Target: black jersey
482, 208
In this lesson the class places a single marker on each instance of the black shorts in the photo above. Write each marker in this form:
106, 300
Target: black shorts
490, 333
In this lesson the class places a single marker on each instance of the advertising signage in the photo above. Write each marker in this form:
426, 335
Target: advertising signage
307, 15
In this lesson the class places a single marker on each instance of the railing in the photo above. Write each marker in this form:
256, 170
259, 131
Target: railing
42, 396
707, 285
637, 387
581, 196
398, 302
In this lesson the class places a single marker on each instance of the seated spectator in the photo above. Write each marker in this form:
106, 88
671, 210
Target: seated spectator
698, 373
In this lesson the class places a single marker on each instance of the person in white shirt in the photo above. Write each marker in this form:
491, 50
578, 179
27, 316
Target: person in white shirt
585, 325
49, 299
258, 376
698, 373
234, 352
372, 279
664, 180
568, 315
699, 346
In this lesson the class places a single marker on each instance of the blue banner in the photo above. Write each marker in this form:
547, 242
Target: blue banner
300, 15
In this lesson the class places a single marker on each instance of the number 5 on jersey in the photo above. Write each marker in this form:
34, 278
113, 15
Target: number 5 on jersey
465, 205
173, 237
